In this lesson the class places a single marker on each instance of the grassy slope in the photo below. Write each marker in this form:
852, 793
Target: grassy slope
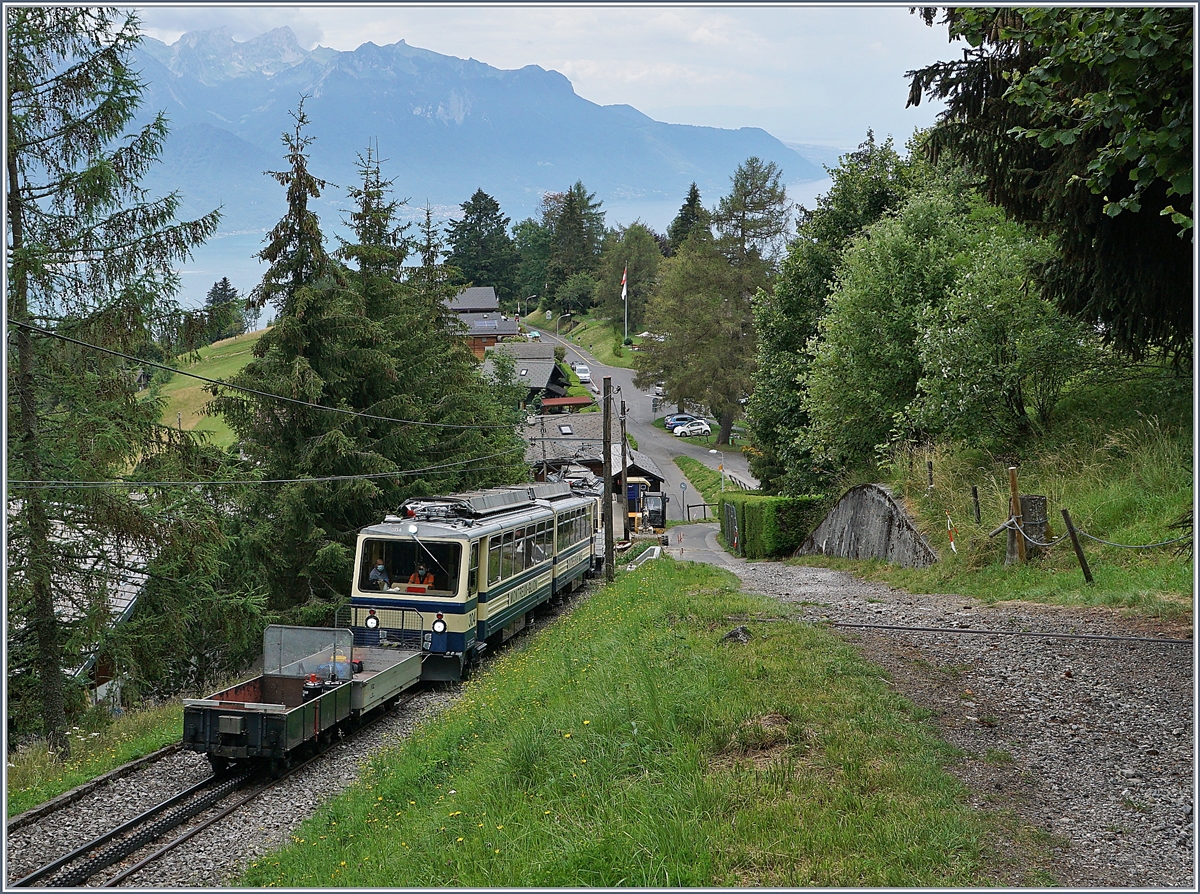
34, 777
186, 396
630, 746
1120, 461
599, 337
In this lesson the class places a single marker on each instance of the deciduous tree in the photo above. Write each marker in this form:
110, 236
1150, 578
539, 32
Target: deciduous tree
700, 311
866, 184
634, 249
1079, 121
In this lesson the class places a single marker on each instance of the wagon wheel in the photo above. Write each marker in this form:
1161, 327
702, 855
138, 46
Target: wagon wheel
219, 764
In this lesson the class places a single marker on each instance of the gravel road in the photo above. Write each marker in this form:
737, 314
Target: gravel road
1089, 741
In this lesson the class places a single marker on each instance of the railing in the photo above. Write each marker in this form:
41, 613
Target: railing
690, 506
397, 626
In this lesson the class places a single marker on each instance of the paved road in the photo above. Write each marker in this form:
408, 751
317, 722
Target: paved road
698, 543
659, 445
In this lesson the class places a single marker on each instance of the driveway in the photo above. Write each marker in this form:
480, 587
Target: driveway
660, 446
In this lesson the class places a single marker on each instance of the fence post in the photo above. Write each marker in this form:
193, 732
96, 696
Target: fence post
1087, 572
929, 468
1015, 514
975, 500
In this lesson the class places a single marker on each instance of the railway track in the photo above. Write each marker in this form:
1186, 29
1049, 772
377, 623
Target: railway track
133, 838
67, 870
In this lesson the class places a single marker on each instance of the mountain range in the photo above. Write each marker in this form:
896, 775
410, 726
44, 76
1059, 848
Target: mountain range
444, 126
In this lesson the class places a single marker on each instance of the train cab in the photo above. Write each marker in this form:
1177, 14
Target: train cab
469, 568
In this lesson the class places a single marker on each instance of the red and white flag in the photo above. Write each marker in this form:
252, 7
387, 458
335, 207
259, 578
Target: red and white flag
624, 287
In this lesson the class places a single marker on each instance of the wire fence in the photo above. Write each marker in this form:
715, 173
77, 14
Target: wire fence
1013, 524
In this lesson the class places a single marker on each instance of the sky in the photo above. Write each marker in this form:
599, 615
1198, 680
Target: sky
806, 73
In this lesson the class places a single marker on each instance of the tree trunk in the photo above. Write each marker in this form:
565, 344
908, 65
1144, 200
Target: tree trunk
42, 618
726, 428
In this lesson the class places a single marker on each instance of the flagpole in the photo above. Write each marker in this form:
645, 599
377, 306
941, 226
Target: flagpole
625, 300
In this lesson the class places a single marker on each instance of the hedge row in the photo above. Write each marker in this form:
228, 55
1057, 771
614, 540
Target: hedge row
768, 527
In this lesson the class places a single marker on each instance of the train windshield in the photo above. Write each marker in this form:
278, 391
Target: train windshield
395, 564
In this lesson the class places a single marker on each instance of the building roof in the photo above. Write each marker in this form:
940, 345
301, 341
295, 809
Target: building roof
567, 402
120, 566
475, 299
579, 438
528, 350
534, 374
488, 324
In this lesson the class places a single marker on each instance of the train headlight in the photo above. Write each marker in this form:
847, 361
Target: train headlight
372, 621
439, 625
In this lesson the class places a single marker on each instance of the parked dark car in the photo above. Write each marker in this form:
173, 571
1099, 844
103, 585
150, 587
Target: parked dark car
677, 419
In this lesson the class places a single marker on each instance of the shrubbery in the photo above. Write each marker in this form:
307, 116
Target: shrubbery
768, 527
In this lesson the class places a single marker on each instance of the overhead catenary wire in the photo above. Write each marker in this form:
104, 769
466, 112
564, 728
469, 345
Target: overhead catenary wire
223, 384
974, 631
52, 485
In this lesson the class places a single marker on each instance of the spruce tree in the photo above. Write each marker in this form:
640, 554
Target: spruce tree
691, 215
224, 309
406, 412
90, 255
295, 246
481, 248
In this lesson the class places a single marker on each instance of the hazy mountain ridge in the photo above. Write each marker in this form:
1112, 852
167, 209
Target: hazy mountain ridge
445, 126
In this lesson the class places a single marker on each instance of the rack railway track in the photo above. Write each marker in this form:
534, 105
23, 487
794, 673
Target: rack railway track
134, 838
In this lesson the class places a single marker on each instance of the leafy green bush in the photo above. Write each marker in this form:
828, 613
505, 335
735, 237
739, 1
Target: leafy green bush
769, 527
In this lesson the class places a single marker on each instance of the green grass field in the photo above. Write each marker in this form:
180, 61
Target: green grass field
629, 745
185, 397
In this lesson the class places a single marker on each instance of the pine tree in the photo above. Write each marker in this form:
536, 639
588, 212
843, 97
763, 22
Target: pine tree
691, 215
577, 231
753, 219
90, 255
376, 342
382, 245
296, 246
224, 308
481, 248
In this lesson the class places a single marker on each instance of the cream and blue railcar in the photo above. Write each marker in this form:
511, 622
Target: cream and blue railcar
494, 556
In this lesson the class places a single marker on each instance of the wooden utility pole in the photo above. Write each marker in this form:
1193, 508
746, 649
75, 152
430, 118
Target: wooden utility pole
624, 472
610, 568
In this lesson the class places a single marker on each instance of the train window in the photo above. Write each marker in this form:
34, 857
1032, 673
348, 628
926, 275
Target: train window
520, 553
538, 544
494, 559
473, 570
506, 556
400, 559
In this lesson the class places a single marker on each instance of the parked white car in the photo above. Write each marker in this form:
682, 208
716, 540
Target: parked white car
692, 429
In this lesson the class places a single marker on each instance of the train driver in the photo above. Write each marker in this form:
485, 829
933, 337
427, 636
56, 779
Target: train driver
379, 575
421, 576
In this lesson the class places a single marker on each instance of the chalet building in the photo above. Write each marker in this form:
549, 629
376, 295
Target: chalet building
558, 443
121, 569
536, 369
478, 309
